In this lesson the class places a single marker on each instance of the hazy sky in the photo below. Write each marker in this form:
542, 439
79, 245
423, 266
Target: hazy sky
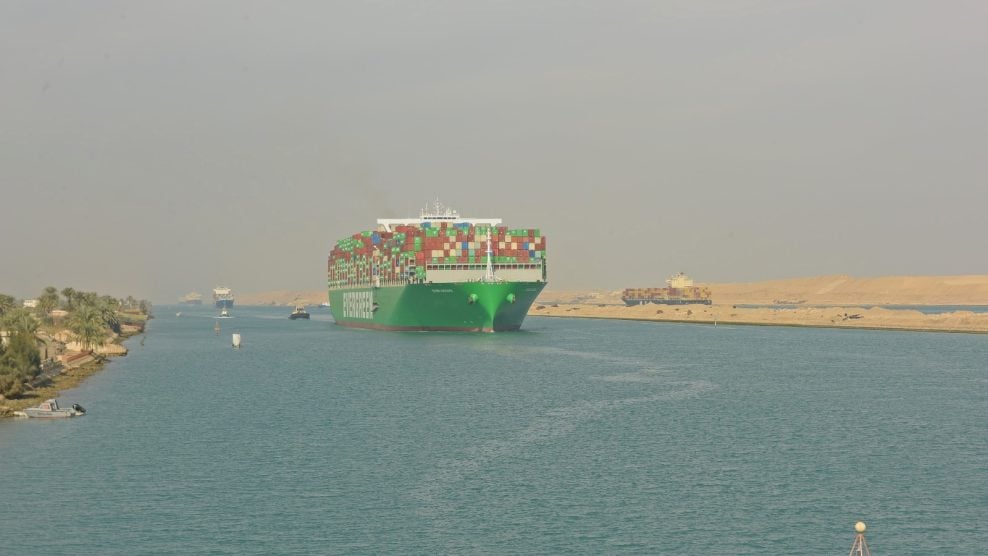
153, 148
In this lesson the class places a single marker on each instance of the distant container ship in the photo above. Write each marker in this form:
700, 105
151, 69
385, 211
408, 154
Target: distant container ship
437, 272
680, 291
223, 297
191, 298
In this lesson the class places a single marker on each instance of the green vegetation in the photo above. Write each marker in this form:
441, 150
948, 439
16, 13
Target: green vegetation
47, 302
19, 359
92, 319
88, 326
7, 303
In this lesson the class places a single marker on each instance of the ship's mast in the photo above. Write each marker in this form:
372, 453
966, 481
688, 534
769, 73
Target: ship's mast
489, 275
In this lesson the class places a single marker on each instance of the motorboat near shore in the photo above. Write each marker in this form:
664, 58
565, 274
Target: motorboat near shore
49, 410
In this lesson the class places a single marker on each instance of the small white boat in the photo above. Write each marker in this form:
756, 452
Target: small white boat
50, 410
224, 314
178, 314
236, 340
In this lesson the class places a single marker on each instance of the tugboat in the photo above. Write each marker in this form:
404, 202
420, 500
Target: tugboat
299, 313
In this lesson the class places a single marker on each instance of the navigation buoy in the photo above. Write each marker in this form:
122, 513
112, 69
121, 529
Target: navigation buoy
860, 546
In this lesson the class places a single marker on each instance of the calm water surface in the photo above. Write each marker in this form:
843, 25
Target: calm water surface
572, 436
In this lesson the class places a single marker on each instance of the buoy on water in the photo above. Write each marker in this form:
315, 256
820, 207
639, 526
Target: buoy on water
860, 547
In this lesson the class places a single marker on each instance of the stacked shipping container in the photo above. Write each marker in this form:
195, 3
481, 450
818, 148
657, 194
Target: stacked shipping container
403, 255
685, 295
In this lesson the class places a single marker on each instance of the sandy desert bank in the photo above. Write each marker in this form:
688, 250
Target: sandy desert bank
845, 298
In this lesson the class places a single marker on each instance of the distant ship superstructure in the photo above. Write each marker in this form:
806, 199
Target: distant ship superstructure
223, 297
191, 298
680, 291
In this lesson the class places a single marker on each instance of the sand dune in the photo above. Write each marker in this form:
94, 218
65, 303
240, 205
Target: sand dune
823, 290
886, 290
284, 297
846, 295
836, 317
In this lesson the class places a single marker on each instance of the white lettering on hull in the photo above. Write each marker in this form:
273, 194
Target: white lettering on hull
358, 305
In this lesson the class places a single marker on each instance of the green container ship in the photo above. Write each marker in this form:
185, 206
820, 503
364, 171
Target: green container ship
437, 272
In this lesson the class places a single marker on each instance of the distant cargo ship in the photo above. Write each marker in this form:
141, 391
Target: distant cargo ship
223, 297
191, 298
680, 291
437, 272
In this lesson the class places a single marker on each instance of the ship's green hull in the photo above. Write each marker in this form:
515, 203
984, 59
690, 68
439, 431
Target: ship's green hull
466, 306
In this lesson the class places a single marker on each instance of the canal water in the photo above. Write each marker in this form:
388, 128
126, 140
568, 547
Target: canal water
572, 436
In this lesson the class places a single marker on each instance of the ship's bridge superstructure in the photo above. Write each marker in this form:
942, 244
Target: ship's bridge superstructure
223, 297
436, 213
680, 280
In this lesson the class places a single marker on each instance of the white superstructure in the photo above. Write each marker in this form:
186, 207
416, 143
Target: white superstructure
680, 280
436, 213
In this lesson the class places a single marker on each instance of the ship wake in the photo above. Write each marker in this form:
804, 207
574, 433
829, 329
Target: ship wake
432, 493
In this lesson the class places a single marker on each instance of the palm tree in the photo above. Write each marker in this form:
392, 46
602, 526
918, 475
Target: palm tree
21, 320
86, 298
7, 303
106, 306
48, 300
19, 363
69, 294
86, 323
